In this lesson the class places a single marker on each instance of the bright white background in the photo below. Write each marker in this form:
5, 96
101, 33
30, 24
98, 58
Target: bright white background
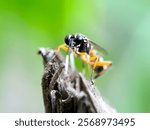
7, 121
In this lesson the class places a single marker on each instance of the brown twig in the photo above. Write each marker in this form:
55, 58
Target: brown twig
69, 92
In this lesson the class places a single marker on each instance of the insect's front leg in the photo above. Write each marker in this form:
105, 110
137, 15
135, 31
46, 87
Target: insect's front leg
63, 46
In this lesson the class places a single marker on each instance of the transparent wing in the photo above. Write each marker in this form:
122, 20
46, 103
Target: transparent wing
99, 48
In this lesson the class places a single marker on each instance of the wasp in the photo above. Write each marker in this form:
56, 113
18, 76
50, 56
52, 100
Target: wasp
83, 48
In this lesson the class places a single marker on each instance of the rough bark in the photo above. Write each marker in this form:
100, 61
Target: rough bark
71, 92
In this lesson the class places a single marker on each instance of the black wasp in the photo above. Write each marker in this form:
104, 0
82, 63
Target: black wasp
83, 48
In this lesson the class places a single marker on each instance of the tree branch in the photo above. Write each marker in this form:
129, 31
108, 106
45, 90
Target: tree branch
69, 92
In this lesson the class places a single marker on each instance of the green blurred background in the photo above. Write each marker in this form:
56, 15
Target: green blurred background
121, 27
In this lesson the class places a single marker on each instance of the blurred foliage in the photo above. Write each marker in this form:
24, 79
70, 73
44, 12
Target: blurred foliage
122, 27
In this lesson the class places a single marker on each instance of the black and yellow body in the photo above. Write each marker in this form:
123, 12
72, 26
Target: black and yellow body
83, 48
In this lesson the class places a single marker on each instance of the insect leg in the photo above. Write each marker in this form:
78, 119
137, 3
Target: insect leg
83, 66
67, 57
63, 46
66, 64
95, 60
72, 62
105, 65
84, 57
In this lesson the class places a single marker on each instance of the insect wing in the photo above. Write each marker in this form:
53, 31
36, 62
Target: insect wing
98, 47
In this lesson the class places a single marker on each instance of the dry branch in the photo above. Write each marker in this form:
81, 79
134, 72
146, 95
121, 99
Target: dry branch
69, 92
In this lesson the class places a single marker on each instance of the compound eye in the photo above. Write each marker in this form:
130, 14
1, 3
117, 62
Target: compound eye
79, 37
67, 39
